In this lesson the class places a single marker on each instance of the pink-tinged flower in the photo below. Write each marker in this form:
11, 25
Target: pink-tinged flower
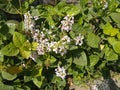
66, 23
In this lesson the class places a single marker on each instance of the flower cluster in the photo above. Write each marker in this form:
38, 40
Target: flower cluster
43, 36
60, 72
66, 23
60, 46
79, 40
28, 22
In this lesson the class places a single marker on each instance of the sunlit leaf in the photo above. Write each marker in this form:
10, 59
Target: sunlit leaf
25, 54
116, 47
18, 39
110, 55
34, 45
118, 36
109, 30
111, 40
74, 10
10, 50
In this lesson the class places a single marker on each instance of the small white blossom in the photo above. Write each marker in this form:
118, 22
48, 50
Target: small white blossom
95, 87
66, 39
56, 50
66, 23
62, 50
79, 40
60, 72
105, 5
36, 17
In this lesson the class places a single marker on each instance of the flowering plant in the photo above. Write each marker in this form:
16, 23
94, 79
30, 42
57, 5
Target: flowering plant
47, 43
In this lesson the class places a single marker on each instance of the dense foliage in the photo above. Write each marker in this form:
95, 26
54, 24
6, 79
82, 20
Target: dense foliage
47, 43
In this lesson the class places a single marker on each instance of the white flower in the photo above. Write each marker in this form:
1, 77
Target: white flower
60, 72
79, 40
36, 17
66, 23
40, 50
56, 50
28, 22
105, 5
66, 39
95, 87
62, 50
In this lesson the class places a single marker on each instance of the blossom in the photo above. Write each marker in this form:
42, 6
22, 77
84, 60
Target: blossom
66, 39
36, 17
28, 22
62, 50
95, 87
60, 72
79, 40
105, 5
66, 23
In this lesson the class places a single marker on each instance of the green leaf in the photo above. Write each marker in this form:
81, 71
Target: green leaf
39, 72
52, 59
74, 10
20, 26
118, 36
34, 45
27, 78
80, 59
14, 70
6, 87
8, 76
115, 17
116, 47
12, 26
25, 54
109, 30
1, 57
10, 50
110, 55
35, 12
38, 81
111, 40
50, 21
92, 40
19, 39
93, 60
9, 6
